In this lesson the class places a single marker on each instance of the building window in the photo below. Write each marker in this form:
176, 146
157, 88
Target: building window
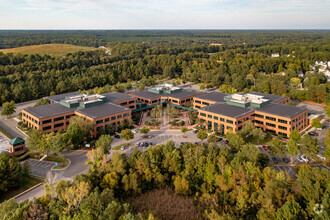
58, 125
99, 121
106, 120
126, 114
197, 106
229, 128
258, 122
229, 121
59, 118
222, 119
270, 118
258, 116
130, 102
216, 118
283, 134
154, 101
282, 121
47, 121
270, 125
199, 102
119, 116
209, 116
205, 103
46, 128
113, 118
123, 103
202, 114
132, 106
174, 101
282, 127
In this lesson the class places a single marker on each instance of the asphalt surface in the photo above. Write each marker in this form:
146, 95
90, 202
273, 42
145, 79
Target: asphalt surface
10, 126
40, 168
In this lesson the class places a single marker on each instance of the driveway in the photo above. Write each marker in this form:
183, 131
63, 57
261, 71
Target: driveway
10, 126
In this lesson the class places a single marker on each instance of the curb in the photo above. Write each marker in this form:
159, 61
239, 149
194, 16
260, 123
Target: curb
52, 169
26, 191
22, 131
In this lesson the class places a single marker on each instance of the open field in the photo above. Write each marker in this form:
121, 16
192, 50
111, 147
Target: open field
49, 49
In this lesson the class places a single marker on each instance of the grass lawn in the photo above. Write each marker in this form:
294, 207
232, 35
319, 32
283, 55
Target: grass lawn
27, 183
61, 163
119, 146
50, 49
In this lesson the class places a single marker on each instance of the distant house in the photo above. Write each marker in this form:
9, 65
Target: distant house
300, 73
16, 145
275, 55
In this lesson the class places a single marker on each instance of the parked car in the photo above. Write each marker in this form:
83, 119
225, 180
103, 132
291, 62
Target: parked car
264, 147
141, 144
195, 131
312, 133
321, 156
299, 159
196, 143
304, 158
275, 159
122, 147
146, 144
137, 144
220, 139
285, 160
151, 144
135, 131
117, 136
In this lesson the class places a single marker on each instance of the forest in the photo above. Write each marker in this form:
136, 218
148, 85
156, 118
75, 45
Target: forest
190, 56
190, 182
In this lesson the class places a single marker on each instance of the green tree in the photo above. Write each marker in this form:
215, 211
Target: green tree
292, 145
316, 123
75, 135
277, 147
212, 138
291, 210
308, 146
104, 142
248, 152
10, 172
201, 134
127, 134
144, 130
181, 185
327, 144
8, 108
235, 140
202, 86
42, 101
295, 81
184, 130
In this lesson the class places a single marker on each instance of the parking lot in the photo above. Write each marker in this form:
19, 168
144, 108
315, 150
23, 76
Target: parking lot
40, 168
290, 169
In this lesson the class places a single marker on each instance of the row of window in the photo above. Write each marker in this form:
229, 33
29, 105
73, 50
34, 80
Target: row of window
217, 118
112, 118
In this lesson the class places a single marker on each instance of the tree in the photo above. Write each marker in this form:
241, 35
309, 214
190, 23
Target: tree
292, 145
309, 146
316, 123
184, 130
327, 145
277, 147
85, 125
96, 158
295, 81
144, 130
235, 140
127, 134
75, 135
42, 101
202, 86
8, 108
212, 138
10, 172
290, 210
181, 185
104, 142
201, 134
248, 152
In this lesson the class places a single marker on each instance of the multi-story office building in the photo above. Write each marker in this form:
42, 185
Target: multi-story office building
227, 113
101, 109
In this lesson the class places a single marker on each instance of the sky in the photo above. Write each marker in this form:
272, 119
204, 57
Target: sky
164, 14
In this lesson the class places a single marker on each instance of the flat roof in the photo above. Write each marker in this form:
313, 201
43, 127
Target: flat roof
50, 110
116, 97
228, 110
181, 94
150, 95
57, 98
213, 96
147, 95
282, 110
102, 110
271, 97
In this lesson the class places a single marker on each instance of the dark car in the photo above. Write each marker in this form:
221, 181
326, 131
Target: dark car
312, 133
275, 159
286, 160
146, 144
117, 136
151, 144
196, 143
220, 139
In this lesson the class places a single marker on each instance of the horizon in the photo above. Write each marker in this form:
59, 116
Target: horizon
168, 15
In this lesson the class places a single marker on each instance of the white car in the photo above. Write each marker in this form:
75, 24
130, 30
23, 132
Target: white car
137, 144
300, 159
135, 131
321, 156
304, 158
319, 129
122, 148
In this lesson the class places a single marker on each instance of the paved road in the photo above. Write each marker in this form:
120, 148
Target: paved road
9, 125
76, 167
